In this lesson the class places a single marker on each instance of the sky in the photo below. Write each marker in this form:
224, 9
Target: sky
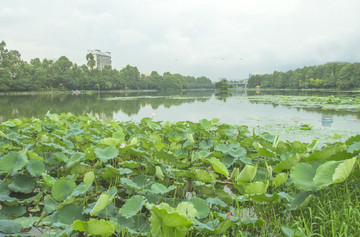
213, 38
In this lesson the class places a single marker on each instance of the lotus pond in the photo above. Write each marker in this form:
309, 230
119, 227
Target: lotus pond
67, 175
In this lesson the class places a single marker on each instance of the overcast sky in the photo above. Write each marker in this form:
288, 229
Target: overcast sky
214, 38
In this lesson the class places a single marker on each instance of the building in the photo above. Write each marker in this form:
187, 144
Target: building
101, 59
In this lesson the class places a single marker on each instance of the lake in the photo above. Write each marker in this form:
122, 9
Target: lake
239, 107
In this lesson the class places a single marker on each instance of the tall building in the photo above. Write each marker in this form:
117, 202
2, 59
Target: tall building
101, 59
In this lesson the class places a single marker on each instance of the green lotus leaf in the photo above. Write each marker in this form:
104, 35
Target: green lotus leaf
10, 227
89, 177
203, 175
22, 183
216, 201
62, 188
132, 206
5, 192
223, 148
11, 212
343, 170
131, 184
219, 167
205, 124
75, 159
280, 179
256, 187
106, 154
292, 232
302, 176
124, 222
239, 152
9, 123
324, 173
101, 203
186, 209
50, 205
164, 219
48, 179
13, 162
95, 227
111, 141
130, 164
301, 200
327, 152
35, 167
161, 189
247, 174
34, 156
287, 164
332, 172
159, 173
202, 207
355, 147
26, 221
70, 213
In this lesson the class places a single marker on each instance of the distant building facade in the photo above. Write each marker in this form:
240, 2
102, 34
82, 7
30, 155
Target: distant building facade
101, 59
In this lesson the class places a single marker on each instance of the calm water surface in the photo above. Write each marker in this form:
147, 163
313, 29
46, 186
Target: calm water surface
234, 108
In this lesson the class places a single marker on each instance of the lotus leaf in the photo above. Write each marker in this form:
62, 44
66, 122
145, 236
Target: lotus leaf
13, 161
132, 206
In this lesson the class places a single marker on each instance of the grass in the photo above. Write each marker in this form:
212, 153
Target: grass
334, 212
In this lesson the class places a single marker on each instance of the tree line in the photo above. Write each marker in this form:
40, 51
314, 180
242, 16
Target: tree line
62, 74
334, 75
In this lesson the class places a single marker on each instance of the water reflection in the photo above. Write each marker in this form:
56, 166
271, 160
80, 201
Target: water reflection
327, 120
104, 104
235, 107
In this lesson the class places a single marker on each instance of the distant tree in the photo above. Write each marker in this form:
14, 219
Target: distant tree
90, 60
222, 85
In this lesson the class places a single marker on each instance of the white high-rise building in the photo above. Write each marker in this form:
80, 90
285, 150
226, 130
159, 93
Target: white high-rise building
101, 59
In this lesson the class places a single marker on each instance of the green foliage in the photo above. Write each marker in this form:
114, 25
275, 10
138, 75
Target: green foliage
223, 84
329, 75
169, 179
62, 74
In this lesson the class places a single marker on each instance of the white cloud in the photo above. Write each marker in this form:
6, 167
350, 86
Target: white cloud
215, 38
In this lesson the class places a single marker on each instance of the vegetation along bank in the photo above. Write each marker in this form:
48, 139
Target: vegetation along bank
67, 175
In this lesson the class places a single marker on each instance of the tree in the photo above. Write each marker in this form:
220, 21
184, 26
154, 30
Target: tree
222, 85
90, 60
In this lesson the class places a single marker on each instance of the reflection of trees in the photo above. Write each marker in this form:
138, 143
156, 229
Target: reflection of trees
39, 105
222, 95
